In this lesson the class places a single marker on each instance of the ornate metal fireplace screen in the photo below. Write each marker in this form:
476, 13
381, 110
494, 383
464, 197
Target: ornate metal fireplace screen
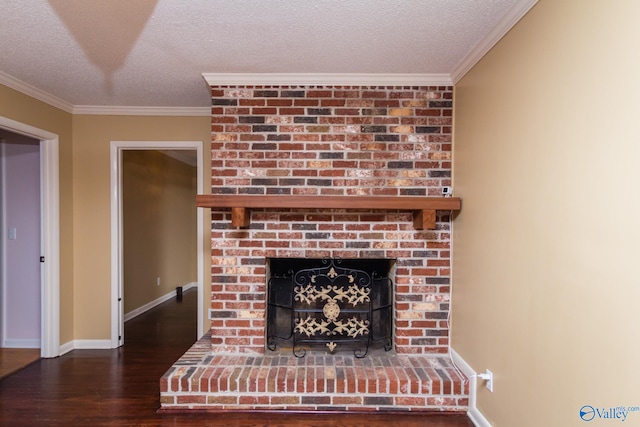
331, 302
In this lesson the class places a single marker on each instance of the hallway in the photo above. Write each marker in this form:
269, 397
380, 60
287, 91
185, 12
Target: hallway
121, 387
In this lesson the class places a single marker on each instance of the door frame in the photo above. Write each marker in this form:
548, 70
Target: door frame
117, 276
49, 235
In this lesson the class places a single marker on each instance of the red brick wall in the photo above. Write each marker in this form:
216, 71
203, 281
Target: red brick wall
330, 141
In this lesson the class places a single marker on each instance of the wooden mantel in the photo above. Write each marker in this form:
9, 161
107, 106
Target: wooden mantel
423, 208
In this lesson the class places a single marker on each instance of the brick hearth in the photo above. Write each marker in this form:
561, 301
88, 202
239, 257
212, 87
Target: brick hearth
379, 382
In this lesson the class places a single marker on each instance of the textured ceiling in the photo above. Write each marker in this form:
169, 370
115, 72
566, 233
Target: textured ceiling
154, 52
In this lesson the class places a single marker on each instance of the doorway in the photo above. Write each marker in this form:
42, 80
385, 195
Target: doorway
120, 311
49, 233
20, 307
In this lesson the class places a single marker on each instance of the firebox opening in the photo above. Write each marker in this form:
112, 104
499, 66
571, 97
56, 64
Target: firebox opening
329, 305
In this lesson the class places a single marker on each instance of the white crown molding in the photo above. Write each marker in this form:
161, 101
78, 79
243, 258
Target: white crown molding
326, 79
515, 13
54, 101
508, 21
34, 92
107, 110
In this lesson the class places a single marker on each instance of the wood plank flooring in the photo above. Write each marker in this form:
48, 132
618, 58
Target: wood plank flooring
14, 359
121, 387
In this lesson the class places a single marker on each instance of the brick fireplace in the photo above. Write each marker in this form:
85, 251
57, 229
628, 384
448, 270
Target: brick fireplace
325, 141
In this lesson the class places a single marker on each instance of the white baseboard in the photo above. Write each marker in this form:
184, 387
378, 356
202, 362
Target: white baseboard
106, 344
148, 306
474, 414
92, 344
66, 348
85, 345
21, 343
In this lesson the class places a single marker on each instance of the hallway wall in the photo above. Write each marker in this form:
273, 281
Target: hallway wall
159, 226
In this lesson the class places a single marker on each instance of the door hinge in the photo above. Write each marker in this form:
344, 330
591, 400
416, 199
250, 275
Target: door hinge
41, 259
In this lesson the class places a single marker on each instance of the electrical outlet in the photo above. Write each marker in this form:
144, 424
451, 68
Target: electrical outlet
158, 281
488, 379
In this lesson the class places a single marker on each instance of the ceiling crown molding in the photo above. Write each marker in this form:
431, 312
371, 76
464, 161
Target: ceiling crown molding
325, 79
34, 92
108, 110
517, 11
508, 21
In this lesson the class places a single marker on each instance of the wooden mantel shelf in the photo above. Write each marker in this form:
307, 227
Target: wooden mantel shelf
423, 208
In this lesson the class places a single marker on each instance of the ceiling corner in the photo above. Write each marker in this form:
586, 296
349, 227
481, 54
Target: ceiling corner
508, 21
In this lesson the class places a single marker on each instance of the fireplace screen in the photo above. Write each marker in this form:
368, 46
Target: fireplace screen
329, 303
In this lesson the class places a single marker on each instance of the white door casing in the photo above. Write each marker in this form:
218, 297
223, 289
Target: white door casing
117, 281
50, 232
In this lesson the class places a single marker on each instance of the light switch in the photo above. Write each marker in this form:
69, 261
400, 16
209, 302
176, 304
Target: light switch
13, 233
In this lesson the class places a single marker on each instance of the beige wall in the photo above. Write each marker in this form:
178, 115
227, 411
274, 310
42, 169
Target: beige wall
546, 160
85, 201
24, 109
159, 226
92, 136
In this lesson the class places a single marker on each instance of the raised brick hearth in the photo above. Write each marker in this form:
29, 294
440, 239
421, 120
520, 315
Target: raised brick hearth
326, 141
379, 382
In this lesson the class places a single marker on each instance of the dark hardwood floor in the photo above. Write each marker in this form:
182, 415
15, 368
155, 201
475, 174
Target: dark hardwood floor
121, 387
14, 359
